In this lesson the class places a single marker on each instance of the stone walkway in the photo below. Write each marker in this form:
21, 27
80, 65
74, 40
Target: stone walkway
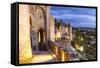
40, 57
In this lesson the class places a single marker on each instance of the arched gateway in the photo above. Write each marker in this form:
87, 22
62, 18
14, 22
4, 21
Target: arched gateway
38, 28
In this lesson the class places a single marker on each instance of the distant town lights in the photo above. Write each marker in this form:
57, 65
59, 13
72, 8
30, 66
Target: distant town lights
81, 48
81, 38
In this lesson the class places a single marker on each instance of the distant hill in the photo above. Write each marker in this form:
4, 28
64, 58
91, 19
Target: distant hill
84, 28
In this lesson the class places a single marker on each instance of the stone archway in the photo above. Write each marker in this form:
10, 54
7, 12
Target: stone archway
38, 26
41, 39
41, 21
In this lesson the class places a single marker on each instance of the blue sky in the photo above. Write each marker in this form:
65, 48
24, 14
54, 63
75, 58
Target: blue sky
77, 17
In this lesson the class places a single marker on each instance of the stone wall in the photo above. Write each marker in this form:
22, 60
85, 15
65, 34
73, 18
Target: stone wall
31, 19
41, 18
37, 14
25, 51
52, 29
48, 23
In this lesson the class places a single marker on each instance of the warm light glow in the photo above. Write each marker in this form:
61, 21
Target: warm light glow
81, 38
77, 47
25, 60
25, 50
81, 48
58, 35
39, 37
39, 58
44, 36
42, 58
63, 58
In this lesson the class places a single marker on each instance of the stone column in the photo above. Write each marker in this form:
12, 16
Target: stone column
52, 29
25, 50
47, 26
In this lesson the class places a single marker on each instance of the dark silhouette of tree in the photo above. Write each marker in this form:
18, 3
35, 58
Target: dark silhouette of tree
58, 23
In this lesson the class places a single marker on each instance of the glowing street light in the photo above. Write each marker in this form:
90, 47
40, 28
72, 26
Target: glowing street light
81, 48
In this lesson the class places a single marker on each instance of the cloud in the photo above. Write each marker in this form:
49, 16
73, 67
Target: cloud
75, 17
82, 16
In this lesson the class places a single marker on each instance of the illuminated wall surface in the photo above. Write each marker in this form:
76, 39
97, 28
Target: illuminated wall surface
52, 34
25, 51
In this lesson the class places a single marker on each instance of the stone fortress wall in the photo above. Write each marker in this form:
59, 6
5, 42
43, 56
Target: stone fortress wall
33, 18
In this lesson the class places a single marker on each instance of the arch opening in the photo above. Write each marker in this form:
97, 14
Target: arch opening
41, 39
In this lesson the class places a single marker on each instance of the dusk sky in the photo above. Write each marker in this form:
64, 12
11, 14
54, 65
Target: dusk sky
77, 17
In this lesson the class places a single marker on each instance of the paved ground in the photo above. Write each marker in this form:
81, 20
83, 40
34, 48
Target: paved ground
40, 57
